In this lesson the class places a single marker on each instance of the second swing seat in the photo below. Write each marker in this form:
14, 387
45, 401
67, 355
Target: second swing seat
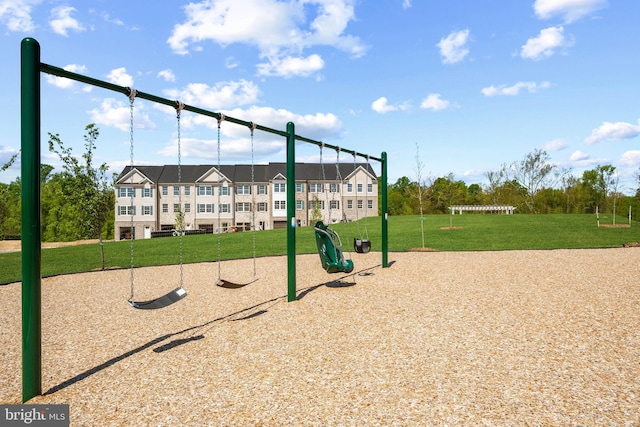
330, 250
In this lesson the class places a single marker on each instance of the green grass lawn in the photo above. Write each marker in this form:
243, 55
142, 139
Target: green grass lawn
477, 233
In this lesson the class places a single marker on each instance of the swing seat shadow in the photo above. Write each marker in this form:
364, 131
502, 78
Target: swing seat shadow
176, 343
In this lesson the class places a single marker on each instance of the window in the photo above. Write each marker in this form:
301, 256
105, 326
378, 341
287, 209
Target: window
126, 192
359, 204
176, 208
147, 210
349, 188
224, 208
349, 204
369, 204
176, 190
299, 205
359, 188
280, 204
334, 204
262, 206
262, 189
147, 192
205, 190
316, 204
279, 187
299, 187
187, 190
243, 189
165, 190
126, 210
333, 188
205, 207
315, 188
369, 187
243, 207
187, 207
165, 208
224, 191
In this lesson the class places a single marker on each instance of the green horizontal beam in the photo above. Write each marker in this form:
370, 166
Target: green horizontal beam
61, 72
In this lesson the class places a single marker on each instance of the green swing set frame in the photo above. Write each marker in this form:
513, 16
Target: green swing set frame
30, 70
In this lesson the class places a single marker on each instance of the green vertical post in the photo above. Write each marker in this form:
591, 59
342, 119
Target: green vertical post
30, 233
385, 213
291, 212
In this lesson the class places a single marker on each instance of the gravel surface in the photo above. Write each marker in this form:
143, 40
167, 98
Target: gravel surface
513, 338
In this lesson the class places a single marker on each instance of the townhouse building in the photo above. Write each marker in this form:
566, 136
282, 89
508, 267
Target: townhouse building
150, 199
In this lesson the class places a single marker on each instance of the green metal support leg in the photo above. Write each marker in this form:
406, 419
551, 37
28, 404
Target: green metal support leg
291, 212
30, 193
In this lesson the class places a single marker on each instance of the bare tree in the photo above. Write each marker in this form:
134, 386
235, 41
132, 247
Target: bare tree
532, 173
496, 180
420, 189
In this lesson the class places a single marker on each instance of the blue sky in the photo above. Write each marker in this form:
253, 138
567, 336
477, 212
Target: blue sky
473, 84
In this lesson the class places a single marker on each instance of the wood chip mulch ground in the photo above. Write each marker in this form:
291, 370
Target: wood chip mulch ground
512, 338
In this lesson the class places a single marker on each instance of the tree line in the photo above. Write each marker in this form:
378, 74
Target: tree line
532, 185
76, 203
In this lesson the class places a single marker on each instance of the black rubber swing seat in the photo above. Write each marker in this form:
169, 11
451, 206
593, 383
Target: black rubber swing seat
330, 250
232, 285
361, 246
175, 295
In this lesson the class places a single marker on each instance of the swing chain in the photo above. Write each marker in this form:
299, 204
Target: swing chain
132, 96
181, 231
253, 126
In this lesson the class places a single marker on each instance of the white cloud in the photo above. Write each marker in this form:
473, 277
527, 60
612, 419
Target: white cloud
578, 156
570, 10
16, 14
290, 66
515, 89
221, 96
406, 4
280, 30
6, 153
614, 131
65, 83
630, 158
61, 20
111, 20
167, 75
117, 114
555, 145
453, 48
230, 62
434, 102
381, 105
120, 77
546, 44
235, 140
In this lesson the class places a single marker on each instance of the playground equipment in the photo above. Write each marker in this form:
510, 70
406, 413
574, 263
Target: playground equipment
178, 293
327, 239
362, 245
330, 250
31, 67
222, 282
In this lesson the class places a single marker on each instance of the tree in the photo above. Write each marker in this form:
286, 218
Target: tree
81, 196
496, 181
420, 193
400, 197
10, 218
532, 173
316, 212
596, 183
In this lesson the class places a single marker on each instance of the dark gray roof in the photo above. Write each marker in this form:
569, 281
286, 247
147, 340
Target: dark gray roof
168, 174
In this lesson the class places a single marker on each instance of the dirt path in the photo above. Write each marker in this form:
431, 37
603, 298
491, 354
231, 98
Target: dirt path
14, 245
